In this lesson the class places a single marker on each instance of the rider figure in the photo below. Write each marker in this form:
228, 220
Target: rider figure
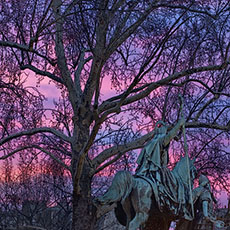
155, 154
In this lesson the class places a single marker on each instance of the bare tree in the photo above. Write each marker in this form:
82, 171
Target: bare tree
148, 50
38, 194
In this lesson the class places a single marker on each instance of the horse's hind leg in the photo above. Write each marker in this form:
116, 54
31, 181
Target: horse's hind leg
141, 200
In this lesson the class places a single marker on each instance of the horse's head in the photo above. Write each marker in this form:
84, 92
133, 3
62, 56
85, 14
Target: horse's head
181, 169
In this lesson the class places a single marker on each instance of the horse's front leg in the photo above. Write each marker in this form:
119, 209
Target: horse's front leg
127, 209
138, 220
141, 201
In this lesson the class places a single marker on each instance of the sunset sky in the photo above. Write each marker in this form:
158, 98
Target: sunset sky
109, 71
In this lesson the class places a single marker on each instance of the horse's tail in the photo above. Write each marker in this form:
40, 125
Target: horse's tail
120, 188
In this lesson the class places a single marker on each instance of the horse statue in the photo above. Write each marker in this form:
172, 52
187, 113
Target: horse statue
144, 203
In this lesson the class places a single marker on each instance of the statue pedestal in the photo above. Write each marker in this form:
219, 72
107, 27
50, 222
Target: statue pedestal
158, 222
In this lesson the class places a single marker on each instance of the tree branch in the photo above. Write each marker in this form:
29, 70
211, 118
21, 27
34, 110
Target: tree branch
13, 152
108, 163
77, 73
143, 71
52, 156
116, 42
120, 150
188, 9
60, 53
109, 105
14, 45
207, 143
203, 84
37, 147
217, 117
70, 7
35, 131
43, 73
25, 48
208, 126
209, 102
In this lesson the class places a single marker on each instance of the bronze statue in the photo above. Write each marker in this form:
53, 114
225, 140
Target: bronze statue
204, 199
154, 195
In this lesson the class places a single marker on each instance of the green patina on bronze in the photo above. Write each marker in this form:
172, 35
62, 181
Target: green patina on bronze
155, 196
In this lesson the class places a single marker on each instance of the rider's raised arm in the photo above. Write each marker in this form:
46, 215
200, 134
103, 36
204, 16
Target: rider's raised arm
173, 132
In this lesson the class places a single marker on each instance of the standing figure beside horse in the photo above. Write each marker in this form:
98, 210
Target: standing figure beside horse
154, 196
203, 200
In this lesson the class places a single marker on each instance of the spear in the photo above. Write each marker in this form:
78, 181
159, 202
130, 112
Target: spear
186, 155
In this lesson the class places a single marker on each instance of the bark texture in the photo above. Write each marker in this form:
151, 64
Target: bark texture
84, 212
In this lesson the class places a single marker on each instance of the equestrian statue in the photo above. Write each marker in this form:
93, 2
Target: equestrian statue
155, 195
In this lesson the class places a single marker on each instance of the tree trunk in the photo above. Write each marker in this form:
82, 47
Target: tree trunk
84, 212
